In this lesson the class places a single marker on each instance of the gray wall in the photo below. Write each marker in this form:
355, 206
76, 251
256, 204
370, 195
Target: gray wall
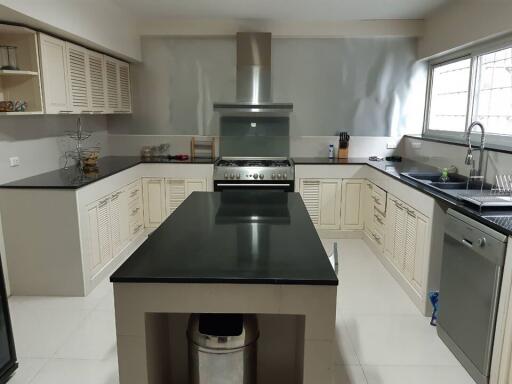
369, 87
40, 142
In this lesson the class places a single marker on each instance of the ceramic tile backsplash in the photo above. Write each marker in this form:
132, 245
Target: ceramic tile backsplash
303, 146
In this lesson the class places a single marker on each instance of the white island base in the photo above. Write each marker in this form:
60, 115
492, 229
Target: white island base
297, 329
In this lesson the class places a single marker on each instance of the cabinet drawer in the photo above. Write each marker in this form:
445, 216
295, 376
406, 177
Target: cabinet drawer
378, 238
134, 191
134, 212
379, 221
135, 228
378, 196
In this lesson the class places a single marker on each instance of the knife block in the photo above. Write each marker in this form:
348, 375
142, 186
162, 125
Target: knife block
343, 153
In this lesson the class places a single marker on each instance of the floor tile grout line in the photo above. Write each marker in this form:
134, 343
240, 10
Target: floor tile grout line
38, 371
71, 332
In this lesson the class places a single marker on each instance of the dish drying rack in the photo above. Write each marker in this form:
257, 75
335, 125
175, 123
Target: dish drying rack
80, 153
500, 195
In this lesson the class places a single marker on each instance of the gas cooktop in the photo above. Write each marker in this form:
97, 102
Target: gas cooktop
253, 162
253, 168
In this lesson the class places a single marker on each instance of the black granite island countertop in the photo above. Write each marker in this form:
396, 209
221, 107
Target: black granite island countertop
250, 237
73, 178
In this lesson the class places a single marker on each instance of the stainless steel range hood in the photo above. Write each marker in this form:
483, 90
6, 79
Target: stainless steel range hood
253, 79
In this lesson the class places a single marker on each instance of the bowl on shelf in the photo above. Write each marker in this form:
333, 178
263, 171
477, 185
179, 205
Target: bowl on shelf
6, 106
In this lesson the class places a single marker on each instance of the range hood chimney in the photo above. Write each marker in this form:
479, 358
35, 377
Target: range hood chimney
253, 79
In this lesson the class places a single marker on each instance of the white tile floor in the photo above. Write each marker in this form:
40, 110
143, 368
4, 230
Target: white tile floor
381, 337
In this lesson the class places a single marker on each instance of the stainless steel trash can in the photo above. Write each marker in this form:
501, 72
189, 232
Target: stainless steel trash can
222, 348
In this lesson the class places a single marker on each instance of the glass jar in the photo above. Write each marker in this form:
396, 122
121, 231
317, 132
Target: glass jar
12, 59
4, 57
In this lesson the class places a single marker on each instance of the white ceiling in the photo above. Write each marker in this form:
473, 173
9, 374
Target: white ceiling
303, 10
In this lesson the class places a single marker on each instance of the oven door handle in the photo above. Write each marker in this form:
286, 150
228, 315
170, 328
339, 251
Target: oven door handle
252, 185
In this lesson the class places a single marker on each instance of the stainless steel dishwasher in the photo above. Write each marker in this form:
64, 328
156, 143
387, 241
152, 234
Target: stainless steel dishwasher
473, 258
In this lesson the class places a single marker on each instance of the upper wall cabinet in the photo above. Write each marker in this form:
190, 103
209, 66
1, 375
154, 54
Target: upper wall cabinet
20, 84
78, 80
118, 86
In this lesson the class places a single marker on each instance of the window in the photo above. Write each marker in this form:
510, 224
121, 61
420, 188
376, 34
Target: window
493, 100
477, 86
450, 92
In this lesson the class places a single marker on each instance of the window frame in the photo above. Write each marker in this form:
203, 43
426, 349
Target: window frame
474, 54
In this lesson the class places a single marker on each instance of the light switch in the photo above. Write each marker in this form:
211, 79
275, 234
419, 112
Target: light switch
14, 161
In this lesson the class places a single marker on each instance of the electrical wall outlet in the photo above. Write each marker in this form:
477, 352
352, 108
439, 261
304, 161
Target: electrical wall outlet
14, 161
391, 145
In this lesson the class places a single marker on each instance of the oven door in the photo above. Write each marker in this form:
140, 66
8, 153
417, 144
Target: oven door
232, 185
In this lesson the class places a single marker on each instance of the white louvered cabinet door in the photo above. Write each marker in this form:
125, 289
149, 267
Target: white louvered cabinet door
78, 78
104, 230
399, 236
118, 221
112, 84
410, 243
175, 194
125, 99
93, 239
310, 192
96, 82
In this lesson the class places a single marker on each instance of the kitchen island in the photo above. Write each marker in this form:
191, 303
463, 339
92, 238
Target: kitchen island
232, 252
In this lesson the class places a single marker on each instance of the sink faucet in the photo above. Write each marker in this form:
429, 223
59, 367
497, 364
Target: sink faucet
469, 157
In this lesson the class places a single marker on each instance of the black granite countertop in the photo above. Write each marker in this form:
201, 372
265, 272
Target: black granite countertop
243, 237
498, 219
73, 178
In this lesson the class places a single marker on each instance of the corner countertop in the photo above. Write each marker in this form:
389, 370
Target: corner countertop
497, 219
72, 178
239, 237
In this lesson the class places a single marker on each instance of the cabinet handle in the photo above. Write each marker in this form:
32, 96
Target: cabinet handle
134, 211
103, 203
134, 193
116, 195
137, 228
65, 111
377, 217
376, 199
376, 237
411, 212
398, 205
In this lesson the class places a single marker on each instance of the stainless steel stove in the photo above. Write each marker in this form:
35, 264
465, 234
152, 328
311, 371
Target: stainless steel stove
275, 173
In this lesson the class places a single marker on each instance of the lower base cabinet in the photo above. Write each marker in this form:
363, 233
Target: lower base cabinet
406, 242
163, 195
352, 201
334, 203
108, 221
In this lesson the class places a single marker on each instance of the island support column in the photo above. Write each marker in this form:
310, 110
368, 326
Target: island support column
151, 322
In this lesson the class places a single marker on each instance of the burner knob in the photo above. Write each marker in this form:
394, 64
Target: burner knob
232, 176
279, 176
226, 176
285, 176
255, 176
273, 176
262, 175
238, 176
